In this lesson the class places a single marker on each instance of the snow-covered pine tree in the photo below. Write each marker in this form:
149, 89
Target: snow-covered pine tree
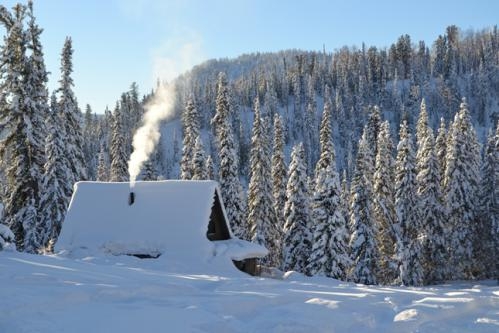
53, 104
385, 224
279, 172
441, 150
230, 185
409, 246
298, 87
373, 128
37, 79
126, 125
343, 127
296, 241
329, 254
262, 219
136, 109
89, 140
159, 162
102, 165
106, 128
54, 201
149, 173
310, 125
71, 116
243, 147
118, 171
19, 150
190, 122
7, 238
460, 189
270, 99
495, 226
429, 196
363, 250
422, 126
310, 186
198, 166
345, 200
210, 168
314, 124
485, 242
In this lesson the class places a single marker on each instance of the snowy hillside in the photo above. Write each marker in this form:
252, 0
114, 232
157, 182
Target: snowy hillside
292, 83
126, 294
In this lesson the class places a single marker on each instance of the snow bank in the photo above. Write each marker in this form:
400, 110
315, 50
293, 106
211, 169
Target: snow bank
6, 238
46, 294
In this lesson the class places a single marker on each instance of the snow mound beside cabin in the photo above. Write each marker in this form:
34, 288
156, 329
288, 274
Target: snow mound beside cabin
168, 218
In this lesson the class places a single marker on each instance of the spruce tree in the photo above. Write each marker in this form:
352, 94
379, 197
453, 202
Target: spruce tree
441, 150
279, 172
485, 242
460, 188
71, 116
385, 225
495, 222
422, 126
118, 169
198, 167
54, 200
190, 122
89, 149
37, 79
373, 128
149, 173
363, 249
19, 148
429, 196
261, 214
310, 125
210, 168
296, 241
126, 125
102, 165
329, 255
495, 225
136, 109
345, 200
409, 243
230, 185
159, 162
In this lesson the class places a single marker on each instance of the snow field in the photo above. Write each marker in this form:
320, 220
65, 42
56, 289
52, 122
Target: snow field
125, 294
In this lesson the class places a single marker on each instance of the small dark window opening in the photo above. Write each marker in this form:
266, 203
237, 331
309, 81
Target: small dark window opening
144, 255
217, 227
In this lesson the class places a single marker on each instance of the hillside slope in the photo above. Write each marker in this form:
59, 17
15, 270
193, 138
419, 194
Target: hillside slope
292, 83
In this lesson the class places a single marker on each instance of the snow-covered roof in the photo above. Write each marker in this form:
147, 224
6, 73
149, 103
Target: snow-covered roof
168, 217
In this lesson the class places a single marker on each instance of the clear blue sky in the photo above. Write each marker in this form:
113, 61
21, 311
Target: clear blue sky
118, 42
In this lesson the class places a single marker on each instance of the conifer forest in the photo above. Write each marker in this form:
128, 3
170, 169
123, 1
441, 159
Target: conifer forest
377, 165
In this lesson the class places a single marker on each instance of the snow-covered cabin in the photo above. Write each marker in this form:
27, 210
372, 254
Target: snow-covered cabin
184, 221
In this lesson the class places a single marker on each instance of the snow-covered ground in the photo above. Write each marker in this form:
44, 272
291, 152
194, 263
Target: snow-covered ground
125, 294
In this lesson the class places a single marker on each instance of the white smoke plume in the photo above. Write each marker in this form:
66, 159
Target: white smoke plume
147, 136
173, 57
